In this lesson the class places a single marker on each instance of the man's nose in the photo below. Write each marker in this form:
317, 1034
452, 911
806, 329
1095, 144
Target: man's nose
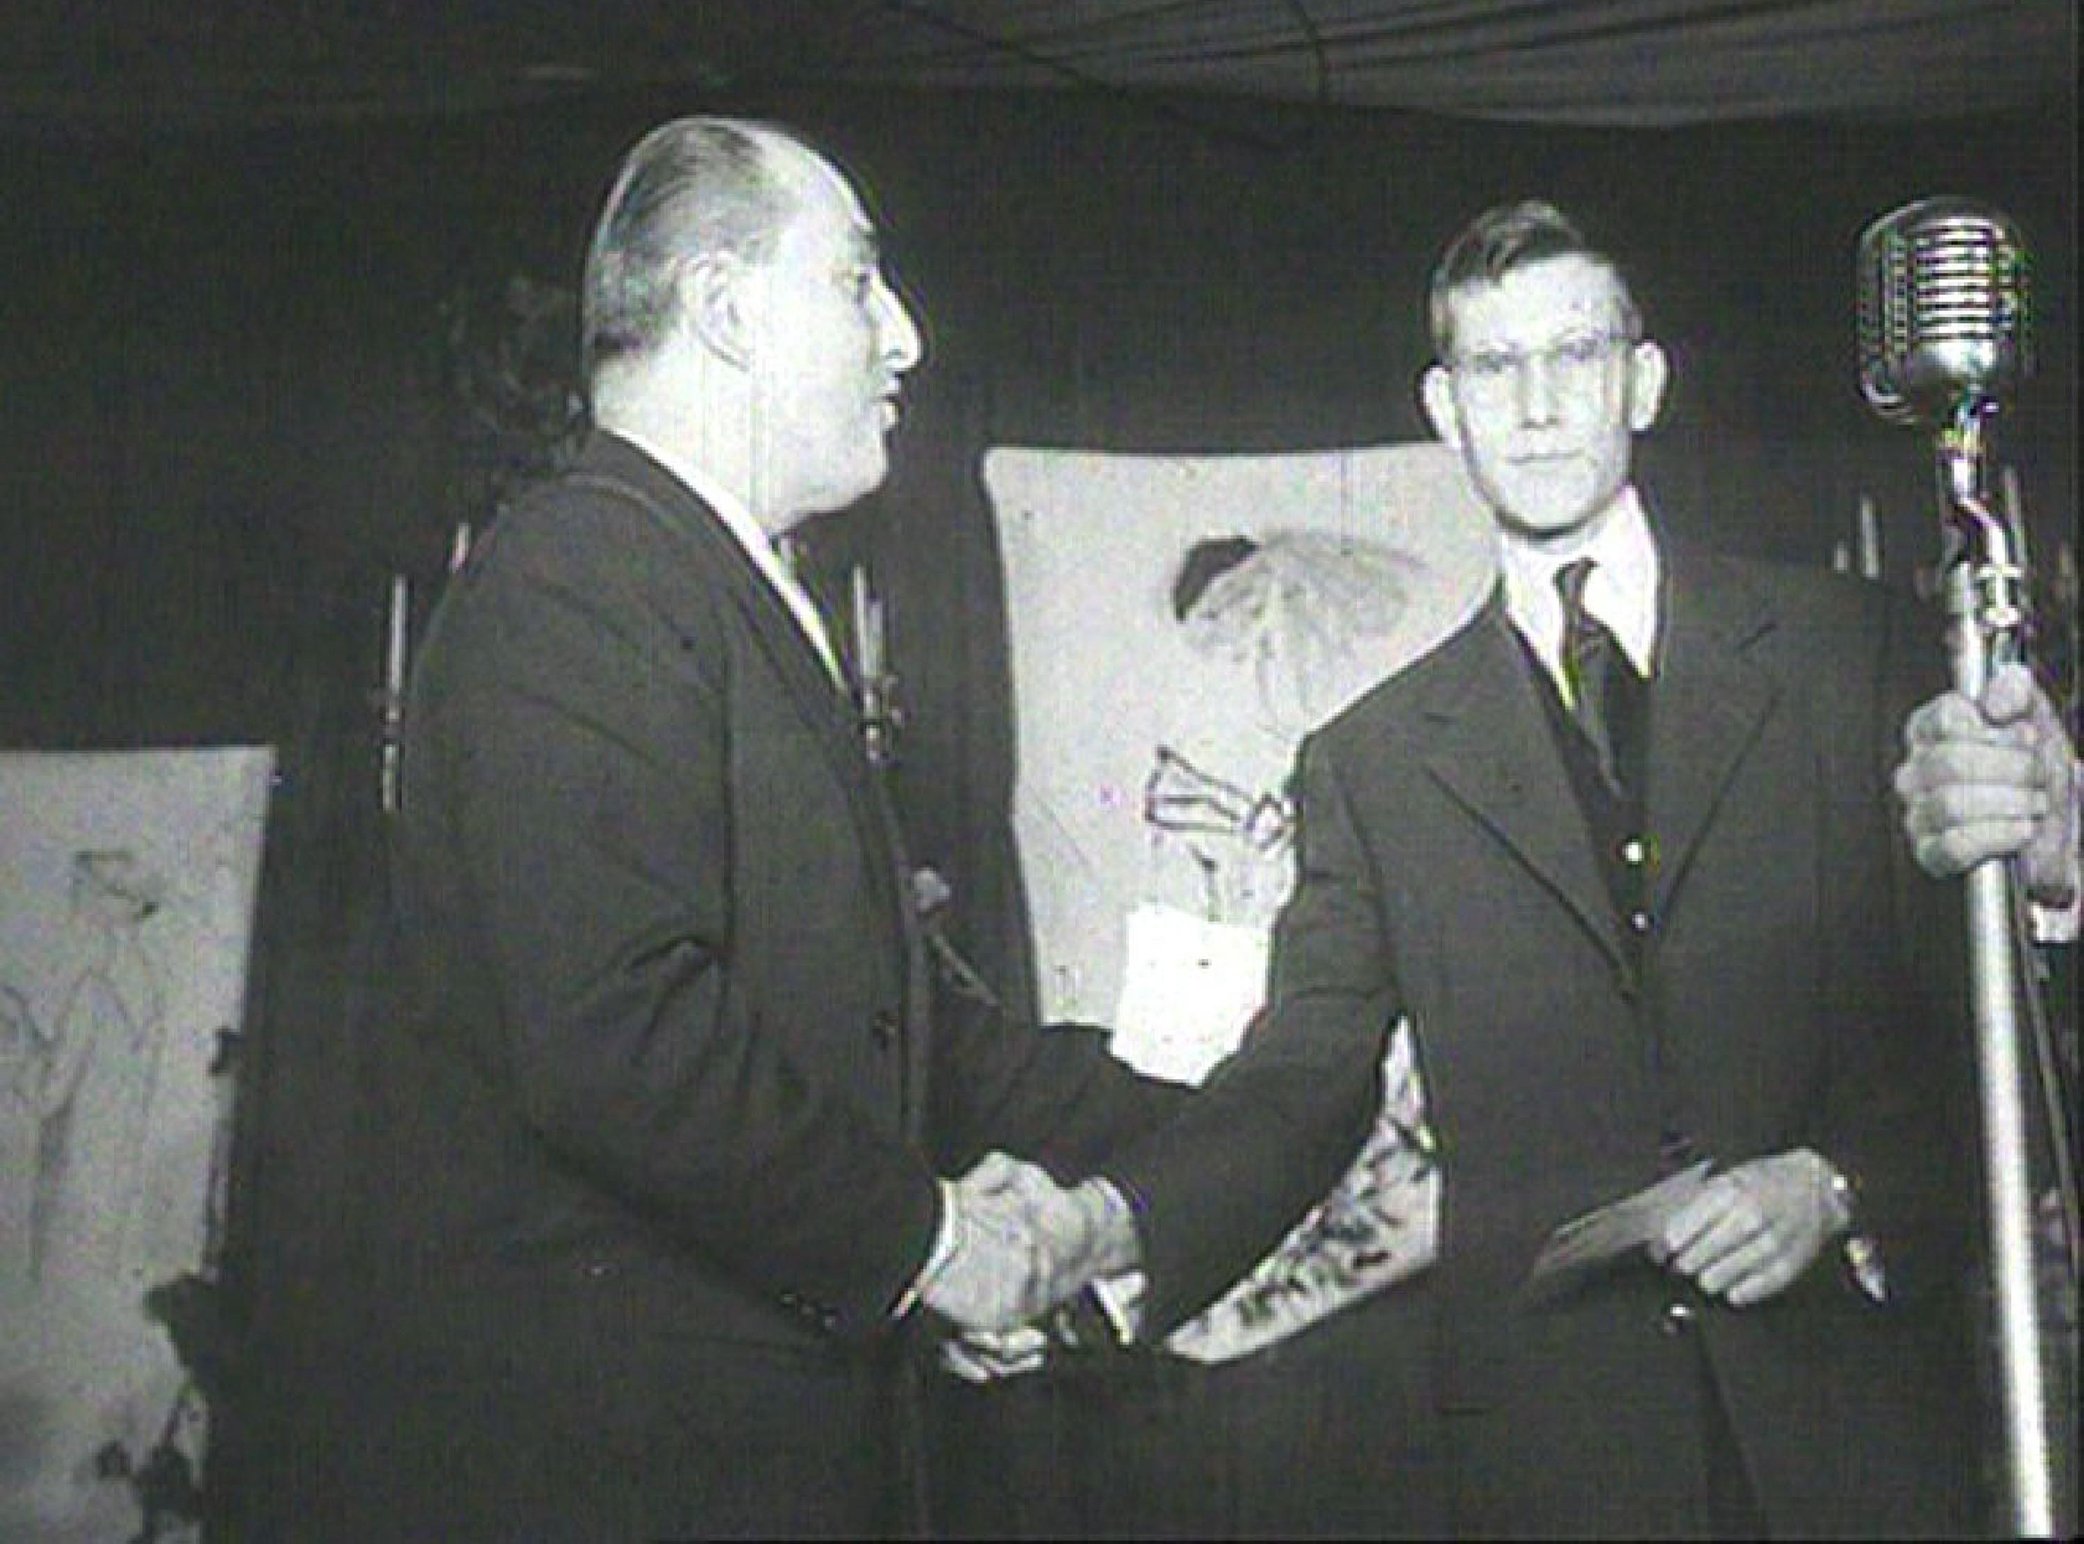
902, 343
1537, 389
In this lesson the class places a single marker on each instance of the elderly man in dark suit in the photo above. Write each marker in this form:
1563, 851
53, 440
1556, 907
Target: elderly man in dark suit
661, 1138
1625, 851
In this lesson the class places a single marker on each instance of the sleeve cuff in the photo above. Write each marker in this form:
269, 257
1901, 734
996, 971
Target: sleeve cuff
2056, 924
1120, 1301
1117, 1242
947, 1240
2056, 921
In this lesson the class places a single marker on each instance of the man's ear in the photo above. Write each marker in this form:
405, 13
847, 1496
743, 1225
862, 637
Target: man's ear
1649, 372
714, 307
1436, 397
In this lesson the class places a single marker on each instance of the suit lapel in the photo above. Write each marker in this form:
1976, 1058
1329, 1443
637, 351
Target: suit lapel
829, 710
821, 701
1708, 704
825, 707
1495, 754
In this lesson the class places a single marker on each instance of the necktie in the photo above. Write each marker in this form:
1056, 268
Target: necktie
1588, 651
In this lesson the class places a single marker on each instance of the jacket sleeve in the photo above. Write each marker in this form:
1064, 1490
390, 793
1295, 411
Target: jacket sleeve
1276, 1124
1053, 1094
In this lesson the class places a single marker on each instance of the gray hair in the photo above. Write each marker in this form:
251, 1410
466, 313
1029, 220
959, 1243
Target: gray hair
692, 187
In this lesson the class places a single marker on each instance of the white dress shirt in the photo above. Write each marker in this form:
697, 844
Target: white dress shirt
1622, 590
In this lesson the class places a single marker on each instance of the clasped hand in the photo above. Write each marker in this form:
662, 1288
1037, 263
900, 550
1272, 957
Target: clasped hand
1018, 1245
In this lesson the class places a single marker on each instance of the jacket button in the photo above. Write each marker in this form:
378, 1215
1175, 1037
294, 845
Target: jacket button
1676, 1319
884, 1025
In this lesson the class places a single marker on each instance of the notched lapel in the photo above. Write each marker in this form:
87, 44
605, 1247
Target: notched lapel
825, 706
1496, 756
823, 702
829, 710
1710, 702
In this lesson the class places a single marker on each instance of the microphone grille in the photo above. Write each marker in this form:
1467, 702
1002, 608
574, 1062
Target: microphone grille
1943, 309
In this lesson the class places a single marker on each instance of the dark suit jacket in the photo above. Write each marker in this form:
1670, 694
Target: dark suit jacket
1784, 1000
654, 1147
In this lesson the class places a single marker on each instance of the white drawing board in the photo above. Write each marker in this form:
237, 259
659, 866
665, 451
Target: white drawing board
1393, 552
127, 886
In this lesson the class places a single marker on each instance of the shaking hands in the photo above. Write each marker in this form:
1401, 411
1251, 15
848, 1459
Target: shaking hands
1014, 1246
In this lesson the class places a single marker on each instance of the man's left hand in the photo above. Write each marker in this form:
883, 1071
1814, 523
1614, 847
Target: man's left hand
1753, 1230
1993, 780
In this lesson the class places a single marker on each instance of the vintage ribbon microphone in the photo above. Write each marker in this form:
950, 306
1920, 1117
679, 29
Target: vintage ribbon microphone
1944, 338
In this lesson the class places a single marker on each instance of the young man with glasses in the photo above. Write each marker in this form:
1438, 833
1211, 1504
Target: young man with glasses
1625, 851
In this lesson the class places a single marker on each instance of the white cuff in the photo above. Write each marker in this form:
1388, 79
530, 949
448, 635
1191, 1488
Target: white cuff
947, 1241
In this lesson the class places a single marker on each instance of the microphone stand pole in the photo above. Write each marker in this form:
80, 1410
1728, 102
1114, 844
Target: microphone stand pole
1982, 589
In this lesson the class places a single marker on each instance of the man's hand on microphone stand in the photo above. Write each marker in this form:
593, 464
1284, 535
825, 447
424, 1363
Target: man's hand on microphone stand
1995, 779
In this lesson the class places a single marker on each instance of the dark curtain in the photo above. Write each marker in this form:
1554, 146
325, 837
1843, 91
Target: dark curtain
1613, 63
231, 417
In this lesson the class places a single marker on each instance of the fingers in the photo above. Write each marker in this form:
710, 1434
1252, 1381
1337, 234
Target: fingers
1759, 1280
1752, 1232
2013, 707
1989, 782
1733, 1255
1953, 828
2011, 695
1705, 1229
1021, 1244
994, 1173
990, 1277
985, 1357
1947, 742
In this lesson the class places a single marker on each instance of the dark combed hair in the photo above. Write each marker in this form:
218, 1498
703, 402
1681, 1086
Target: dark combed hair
696, 186
1505, 238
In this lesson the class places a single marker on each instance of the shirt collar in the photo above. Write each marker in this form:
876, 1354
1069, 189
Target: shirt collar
1622, 591
765, 551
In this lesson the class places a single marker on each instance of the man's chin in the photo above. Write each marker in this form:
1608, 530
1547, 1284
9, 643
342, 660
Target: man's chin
845, 493
1541, 524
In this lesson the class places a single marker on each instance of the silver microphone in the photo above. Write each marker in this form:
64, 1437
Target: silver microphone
1943, 340
1944, 317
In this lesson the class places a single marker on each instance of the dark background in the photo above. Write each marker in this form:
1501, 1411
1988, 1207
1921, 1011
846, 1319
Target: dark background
232, 413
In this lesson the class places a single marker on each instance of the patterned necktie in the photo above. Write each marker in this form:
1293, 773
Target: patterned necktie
1588, 651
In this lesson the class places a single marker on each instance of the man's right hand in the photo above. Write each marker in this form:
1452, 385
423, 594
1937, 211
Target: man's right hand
1018, 1244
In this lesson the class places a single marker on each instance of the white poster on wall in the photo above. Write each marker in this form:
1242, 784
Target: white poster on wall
1154, 738
1176, 624
127, 887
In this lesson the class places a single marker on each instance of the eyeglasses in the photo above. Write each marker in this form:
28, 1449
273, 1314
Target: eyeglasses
1570, 361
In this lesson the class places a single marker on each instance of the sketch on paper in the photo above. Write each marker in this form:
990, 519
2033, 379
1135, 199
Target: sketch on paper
1288, 627
125, 923
1177, 626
